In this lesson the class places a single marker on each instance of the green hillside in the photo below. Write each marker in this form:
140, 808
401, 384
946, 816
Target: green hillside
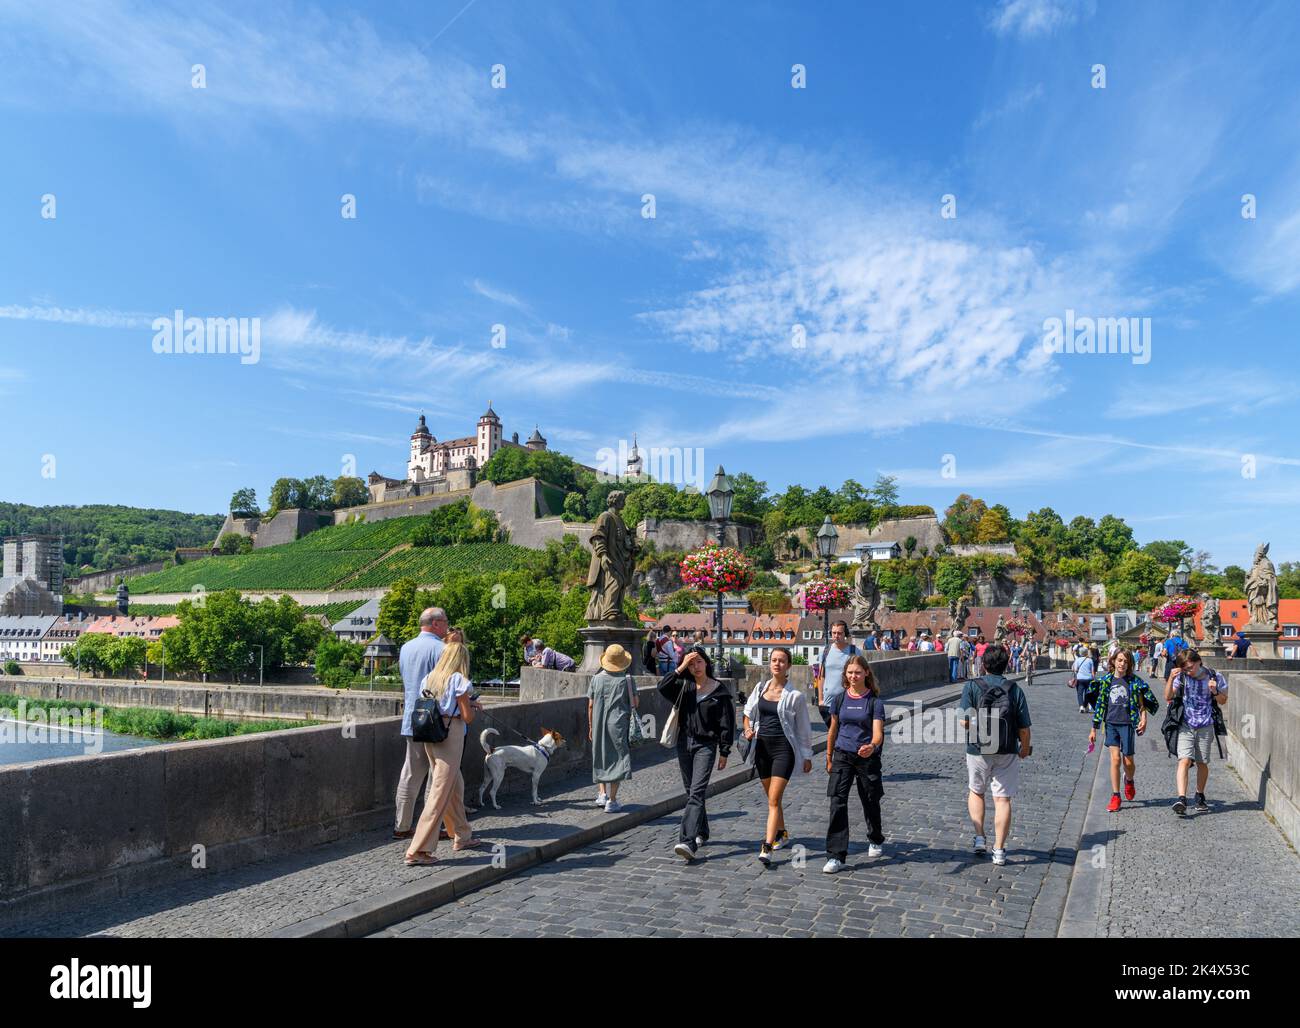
331, 557
98, 536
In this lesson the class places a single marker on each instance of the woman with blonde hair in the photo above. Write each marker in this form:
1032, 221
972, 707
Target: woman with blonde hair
449, 684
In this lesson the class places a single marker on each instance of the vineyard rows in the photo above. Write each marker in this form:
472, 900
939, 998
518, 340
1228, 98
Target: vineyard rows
381, 535
432, 564
281, 567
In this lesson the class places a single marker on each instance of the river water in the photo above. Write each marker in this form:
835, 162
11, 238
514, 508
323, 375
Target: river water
23, 742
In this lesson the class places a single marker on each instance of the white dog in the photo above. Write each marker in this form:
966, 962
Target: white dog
534, 758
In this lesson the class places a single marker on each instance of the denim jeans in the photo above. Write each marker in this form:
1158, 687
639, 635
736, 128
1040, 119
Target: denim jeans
954, 668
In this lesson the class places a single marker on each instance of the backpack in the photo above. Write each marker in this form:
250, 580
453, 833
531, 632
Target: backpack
997, 711
1173, 722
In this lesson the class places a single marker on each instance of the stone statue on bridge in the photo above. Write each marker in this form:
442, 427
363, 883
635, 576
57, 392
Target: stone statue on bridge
613, 561
865, 599
1210, 620
1261, 590
1000, 629
958, 612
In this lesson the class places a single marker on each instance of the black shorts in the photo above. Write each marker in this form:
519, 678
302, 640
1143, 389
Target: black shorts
774, 757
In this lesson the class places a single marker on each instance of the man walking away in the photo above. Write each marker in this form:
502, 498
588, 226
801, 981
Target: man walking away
416, 659
996, 717
1203, 692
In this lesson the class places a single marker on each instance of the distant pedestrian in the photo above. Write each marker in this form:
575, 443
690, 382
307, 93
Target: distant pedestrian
829, 672
776, 719
853, 745
980, 647
526, 641
554, 660
665, 651
953, 649
1122, 703
1029, 658
1173, 646
1203, 691
1082, 672
995, 714
1240, 648
416, 659
611, 705
707, 719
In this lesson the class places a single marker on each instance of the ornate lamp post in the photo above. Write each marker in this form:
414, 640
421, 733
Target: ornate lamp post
1182, 576
720, 494
827, 539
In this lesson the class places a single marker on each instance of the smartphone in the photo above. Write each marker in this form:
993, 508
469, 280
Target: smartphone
1091, 746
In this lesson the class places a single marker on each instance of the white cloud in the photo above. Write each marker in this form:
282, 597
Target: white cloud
77, 316
1030, 18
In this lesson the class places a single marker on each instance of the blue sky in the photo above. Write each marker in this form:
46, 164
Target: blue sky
774, 206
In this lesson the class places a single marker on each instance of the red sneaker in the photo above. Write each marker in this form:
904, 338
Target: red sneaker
1114, 804
1130, 790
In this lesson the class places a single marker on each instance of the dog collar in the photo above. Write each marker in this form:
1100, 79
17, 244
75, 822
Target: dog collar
542, 752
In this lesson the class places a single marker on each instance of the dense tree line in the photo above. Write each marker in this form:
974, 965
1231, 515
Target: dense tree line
97, 537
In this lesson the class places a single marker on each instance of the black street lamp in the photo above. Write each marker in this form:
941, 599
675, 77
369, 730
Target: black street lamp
720, 494
827, 540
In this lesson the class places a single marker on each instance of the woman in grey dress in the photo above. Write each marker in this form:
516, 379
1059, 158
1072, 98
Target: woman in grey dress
611, 704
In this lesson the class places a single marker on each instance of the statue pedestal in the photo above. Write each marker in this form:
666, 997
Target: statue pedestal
1211, 648
1263, 641
599, 634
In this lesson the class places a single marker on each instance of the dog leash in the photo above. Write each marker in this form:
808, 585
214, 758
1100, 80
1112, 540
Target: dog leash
531, 742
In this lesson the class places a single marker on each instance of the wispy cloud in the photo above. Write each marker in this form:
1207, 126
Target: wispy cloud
1030, 18
77, 316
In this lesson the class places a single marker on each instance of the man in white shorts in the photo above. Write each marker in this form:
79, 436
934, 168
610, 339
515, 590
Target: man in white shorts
984, 765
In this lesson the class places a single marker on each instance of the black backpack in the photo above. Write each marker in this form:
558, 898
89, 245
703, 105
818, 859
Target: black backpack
997, 714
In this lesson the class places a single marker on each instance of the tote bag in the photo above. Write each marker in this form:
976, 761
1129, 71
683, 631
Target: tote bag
673, 723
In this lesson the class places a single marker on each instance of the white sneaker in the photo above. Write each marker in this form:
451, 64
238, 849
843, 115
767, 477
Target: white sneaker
999, 856
601, 799
981, 846
874, 851
1081, 710
699, 841
613, 807
685, 851
832, 866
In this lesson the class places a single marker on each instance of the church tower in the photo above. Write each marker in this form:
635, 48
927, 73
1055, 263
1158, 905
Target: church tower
634, 461
489, 436
418, 467
536, 441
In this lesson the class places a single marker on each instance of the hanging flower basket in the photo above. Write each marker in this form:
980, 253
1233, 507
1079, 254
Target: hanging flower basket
717, 569
825, 594
1175, 609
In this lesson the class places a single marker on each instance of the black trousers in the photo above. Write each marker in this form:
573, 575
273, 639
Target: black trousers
847, 769
696, 758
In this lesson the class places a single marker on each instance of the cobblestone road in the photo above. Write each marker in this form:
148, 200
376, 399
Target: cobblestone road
927, 883
1227, 872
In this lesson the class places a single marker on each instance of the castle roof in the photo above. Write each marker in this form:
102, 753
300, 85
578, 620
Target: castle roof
490, 414
536, 437
421, 429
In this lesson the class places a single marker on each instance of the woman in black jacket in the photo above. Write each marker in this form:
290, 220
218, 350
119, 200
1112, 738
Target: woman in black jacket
707, 724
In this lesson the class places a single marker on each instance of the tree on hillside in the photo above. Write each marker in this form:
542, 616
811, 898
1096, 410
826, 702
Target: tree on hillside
348, 491
285, 495
1039, 540
951, 577
1168, 551
244, 504
683, 601
1114, 538
510, 464
963, 517
1135, 573
994, 526
885, 491
233, 542
751, 495
1235, 576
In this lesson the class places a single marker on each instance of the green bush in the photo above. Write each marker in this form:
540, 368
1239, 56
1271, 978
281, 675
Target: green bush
12, 668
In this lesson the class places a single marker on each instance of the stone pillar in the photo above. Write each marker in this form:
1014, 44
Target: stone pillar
599, 634
1263, 641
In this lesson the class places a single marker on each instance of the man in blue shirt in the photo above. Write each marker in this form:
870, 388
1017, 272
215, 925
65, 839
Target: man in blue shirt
1240, 646
417, 659
1173, 645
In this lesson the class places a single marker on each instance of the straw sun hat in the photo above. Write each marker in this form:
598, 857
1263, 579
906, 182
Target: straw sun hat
615, 658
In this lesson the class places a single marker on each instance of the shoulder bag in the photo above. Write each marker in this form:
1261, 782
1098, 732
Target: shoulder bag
672, 725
